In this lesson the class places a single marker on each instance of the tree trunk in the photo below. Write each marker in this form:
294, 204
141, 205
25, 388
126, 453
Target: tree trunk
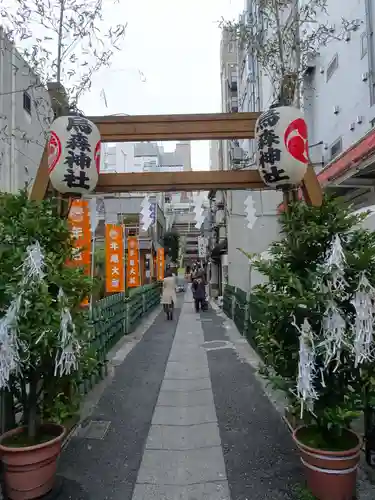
33, 406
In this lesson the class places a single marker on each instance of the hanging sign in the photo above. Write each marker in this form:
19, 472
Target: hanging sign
114, 259
74, 155
202, 247
160, 264
79, 223
132, 274
282, 147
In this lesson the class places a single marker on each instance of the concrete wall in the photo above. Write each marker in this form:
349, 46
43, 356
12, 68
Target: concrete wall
346, 88
22, 133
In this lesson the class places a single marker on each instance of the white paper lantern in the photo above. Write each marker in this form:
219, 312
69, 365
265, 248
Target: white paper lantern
282, 147
74, 155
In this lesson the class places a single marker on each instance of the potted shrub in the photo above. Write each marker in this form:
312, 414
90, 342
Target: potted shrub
315, 334
43, 334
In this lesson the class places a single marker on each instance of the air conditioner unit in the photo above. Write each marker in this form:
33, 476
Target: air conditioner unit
359, 119
364, 76
352, 126
336, 110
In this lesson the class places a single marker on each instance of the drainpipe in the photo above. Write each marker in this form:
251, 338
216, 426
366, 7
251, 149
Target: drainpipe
370, 48
3, 151
13, 164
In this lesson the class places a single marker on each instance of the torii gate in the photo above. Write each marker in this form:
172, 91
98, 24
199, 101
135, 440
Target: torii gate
219, 126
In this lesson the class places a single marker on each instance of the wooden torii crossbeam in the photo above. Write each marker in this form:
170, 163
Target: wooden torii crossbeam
218, 126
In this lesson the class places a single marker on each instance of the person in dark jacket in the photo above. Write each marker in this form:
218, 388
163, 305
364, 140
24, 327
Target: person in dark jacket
199, 293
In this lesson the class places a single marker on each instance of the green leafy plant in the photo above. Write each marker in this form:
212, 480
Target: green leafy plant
291, 295
171, 243
22, 223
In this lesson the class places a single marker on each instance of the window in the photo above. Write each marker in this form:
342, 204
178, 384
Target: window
332, 67
27, 103
336, 148
363, 45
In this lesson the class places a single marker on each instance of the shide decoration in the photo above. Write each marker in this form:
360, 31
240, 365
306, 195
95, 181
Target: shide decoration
306, 366
45, 339
250, 211
74, 155
33, 271
334, 328
198, 199
146, 219
282, 147
313, 326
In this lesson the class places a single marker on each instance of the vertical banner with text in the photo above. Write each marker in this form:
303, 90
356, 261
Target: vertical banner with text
79, 223
114, 259
132, 274
160, 264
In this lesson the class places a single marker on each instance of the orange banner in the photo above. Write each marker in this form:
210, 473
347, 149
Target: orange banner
132, 274
160, 264
114, 258
79, 223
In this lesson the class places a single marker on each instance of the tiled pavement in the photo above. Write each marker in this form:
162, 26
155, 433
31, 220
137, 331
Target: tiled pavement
183, 456
186, 419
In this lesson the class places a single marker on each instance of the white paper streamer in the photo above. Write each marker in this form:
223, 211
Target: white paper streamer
198, 199
363, 326
306, 367
32, 272
250, 211
146, 213
333, 333
9, 358
66, 359
33, 266
334, 266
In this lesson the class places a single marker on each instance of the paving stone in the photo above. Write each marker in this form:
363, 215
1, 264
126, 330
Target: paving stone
174, 437
175, 371
182, 467
186, 384
188, 398
197, 353
207, 491
189, 363
183, 415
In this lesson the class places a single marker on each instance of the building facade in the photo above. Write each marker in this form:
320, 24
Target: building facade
25, 116
339, 105
338, 99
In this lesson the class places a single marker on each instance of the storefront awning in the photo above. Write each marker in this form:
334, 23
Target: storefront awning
350, 162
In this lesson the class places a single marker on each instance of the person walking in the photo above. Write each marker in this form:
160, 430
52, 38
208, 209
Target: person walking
199, 293
168, 298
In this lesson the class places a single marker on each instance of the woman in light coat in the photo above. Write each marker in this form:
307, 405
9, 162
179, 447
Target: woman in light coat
168, 298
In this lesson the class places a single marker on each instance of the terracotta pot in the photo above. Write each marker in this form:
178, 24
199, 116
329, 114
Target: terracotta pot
29, 472
331, 475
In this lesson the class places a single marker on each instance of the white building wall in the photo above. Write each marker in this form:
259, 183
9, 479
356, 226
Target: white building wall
25, 115
118, 157
334, 101
255, 94
331, 104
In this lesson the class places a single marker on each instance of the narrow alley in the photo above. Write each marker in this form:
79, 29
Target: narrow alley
184, 418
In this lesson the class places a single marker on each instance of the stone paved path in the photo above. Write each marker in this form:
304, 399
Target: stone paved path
184, 418
183, 456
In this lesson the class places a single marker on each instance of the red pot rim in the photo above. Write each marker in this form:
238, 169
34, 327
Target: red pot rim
21, 449
350, 451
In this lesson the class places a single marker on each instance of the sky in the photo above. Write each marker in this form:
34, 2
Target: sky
169, 62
